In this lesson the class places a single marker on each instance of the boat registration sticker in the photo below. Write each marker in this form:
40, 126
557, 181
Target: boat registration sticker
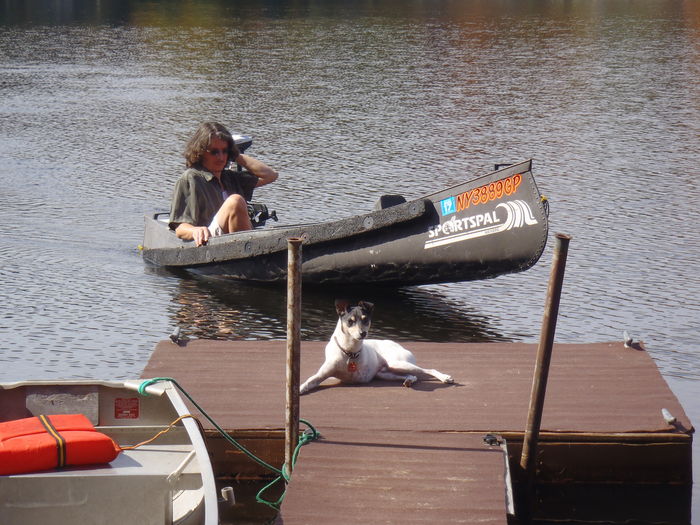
448, 206
126, 408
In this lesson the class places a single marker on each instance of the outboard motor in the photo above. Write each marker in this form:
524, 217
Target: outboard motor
259, 213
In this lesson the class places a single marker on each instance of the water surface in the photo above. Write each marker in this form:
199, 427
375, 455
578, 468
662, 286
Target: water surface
348, 100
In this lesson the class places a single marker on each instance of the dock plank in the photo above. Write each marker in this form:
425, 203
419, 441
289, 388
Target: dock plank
396, 477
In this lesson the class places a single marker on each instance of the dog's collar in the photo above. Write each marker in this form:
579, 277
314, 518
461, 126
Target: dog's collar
350, 355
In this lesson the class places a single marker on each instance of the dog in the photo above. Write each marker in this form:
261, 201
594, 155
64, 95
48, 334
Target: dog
352, 358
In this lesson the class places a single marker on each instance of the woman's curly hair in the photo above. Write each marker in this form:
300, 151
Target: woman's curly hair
201, 140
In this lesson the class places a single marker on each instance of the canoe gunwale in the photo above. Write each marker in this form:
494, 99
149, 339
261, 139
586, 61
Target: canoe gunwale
244, 245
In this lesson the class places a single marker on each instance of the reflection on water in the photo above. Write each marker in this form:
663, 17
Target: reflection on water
221, 309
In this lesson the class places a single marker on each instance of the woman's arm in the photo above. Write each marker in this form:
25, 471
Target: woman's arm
262, 171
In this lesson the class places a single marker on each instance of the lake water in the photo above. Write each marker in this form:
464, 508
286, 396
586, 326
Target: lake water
348, 100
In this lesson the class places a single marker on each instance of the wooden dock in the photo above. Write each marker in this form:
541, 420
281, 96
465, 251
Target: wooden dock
390, 454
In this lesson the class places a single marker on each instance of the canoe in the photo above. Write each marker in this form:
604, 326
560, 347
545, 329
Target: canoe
482, 228
168, 481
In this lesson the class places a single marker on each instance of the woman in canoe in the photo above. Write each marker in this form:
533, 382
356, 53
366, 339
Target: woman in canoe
208, 199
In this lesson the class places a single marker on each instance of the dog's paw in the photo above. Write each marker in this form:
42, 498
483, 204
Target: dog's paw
409, 381
447, 379
303, 389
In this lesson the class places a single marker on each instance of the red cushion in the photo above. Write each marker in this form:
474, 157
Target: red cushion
26, 445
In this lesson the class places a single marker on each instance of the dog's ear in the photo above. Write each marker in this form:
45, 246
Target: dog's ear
368, 307
342, 306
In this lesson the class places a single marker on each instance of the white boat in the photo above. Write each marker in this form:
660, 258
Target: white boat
167, 481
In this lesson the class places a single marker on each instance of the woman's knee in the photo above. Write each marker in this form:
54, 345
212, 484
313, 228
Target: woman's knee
236, 204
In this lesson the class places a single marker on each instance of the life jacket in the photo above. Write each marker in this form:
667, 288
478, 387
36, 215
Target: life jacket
46, 442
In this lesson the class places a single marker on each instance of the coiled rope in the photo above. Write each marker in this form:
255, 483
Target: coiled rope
307, 436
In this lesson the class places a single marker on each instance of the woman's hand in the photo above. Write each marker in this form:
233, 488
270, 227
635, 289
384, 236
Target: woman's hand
200, 235
188, 232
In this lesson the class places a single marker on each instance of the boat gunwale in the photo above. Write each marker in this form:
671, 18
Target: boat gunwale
512, 168
272, 240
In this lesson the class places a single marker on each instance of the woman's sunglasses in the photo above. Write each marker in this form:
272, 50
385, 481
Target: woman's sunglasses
217, 151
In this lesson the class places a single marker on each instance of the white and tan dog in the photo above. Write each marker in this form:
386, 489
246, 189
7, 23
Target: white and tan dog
353, 359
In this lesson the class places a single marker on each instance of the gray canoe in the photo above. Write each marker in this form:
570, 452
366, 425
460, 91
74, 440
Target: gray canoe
482, 228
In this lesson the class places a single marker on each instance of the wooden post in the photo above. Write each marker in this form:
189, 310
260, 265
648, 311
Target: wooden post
544, 354
293, 350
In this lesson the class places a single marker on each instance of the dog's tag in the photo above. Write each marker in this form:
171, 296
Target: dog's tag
352, 366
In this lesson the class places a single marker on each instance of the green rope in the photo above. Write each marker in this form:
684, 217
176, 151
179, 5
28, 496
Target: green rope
304, 438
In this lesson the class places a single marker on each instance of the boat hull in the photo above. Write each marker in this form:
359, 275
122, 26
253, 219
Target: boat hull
489, 226
168, 481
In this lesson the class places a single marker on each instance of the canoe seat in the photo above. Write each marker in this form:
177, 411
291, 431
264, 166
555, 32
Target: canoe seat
387, 201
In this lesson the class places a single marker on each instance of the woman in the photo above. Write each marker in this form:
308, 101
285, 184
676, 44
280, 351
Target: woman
210, 200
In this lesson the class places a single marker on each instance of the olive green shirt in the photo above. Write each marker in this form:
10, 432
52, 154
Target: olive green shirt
198, 195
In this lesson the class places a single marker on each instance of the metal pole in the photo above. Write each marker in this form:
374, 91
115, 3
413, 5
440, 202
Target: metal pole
544, 354
293, 350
